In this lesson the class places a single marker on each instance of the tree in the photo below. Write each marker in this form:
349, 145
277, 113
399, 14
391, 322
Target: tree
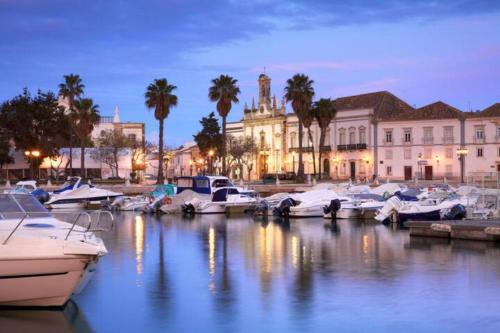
307, 120
111, 145
300, 92
160, 98
36, 123
5, 150
210, 136
85, 117
71, 89
224, 91
241, 150
324, 111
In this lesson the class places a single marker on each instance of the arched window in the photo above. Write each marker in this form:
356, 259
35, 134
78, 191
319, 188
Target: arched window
293, 140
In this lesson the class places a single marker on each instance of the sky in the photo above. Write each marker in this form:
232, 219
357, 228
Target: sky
422, 51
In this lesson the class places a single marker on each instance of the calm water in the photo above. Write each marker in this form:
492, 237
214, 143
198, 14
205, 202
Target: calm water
209, 274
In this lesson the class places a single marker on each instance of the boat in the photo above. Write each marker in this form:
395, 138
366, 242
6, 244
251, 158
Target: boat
44, 260
127, 203
161, 194
358, 206
80, 197
231, 200
30, 186
306, 204
71, 183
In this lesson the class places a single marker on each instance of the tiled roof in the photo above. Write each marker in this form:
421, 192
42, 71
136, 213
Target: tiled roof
437, 110
492, 111
384, 104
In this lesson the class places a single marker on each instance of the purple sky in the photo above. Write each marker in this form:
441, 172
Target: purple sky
420, 50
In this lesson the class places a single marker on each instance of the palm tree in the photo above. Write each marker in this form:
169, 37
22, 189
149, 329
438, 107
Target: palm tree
307, 120
160, 98
85, 116
71, 89
324, 111
300, 92
224, 91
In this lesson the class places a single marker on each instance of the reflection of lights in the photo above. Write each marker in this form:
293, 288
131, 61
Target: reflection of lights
365, 244
211, 251
139, 242
295, 251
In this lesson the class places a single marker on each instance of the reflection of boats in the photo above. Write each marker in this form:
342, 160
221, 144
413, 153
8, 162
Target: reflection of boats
78, 195
223, 200
43, 260
29, 186
70, 319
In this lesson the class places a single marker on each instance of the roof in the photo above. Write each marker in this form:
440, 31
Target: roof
437, 110
384, 104
491, 111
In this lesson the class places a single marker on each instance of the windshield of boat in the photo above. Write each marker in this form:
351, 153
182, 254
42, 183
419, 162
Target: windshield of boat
221, 183
17, 205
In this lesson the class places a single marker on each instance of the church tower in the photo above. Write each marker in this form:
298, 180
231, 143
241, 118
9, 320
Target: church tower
264, 90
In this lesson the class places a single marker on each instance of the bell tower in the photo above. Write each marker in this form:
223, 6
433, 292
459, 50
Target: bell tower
264, 90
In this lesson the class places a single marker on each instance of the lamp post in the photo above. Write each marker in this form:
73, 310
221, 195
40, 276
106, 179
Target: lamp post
210, 160
32, 154
461, 153
293, 162
419, 173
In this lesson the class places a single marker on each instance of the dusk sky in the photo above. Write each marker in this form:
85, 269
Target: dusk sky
422, 51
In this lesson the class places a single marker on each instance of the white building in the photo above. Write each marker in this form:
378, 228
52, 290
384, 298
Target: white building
372, 134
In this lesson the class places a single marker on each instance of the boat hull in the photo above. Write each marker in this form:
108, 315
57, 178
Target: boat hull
41, 282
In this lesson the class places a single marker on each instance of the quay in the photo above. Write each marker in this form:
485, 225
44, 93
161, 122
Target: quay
479, 230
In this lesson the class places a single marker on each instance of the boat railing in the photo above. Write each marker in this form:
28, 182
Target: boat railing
89, 227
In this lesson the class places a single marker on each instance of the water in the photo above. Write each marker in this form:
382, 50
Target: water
209, 274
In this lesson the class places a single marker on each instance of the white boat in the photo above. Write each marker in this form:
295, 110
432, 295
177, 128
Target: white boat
307, 204
43, 260
126, 203
361, 206
30, 186
80, 197
231, 200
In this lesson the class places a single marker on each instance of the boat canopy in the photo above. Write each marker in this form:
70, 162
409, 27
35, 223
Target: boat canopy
16, 205
202, 184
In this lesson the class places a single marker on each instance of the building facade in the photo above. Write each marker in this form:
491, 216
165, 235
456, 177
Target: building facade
373, 134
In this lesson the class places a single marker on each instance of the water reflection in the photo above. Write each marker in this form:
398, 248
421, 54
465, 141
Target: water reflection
212, 274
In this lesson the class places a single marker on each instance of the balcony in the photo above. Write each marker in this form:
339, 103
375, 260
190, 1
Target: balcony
478, 140
358, 146
325, 148
404, 142
448, 140
387, 143
304, 149
428, 140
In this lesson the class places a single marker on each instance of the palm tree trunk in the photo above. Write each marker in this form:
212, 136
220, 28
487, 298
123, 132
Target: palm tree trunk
82, 160
300, 171
312, 144
224, 145
71, 154
160, 154
321, 143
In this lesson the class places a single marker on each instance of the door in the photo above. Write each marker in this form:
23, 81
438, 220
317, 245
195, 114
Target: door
408, 172
353, 170
498, 167
326, 166
428, 172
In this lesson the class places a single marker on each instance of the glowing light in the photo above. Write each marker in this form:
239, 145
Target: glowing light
139, 242
295, 251
35, 153
365, 244
211, 251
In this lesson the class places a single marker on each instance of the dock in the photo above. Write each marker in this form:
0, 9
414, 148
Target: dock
479, 230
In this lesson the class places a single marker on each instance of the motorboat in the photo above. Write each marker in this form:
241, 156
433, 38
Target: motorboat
127, 203
231, 200
71, 183
159, 196
358, 206
80, 197
306, 204
43, 260
30, 186
430, 209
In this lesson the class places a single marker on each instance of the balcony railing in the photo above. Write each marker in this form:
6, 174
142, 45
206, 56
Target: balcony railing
358, 146
448, 140
403, 141
304, 149
388, 143
325, 148
478, 140
428, 140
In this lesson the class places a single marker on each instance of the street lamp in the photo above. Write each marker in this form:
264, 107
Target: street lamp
210, 160
32, 154
461, 153
293, 162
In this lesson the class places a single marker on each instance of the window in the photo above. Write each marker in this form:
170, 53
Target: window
479, 152
407, 135
362, 135
479, 132
342, 136
498, 132
448, 153
352, 135
293, 140
448, 134
388, 136
388, 170
427, 153
132, 137
327, 137
498, 151
428, 136
388, 154
407, 154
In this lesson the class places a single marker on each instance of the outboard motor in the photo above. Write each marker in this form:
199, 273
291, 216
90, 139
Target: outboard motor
333, 208
456, 212
41, 195
262, 207
283, 209
188, 209
393, 204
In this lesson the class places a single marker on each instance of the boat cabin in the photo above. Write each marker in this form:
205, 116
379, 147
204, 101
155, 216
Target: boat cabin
17, 205
202, 184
